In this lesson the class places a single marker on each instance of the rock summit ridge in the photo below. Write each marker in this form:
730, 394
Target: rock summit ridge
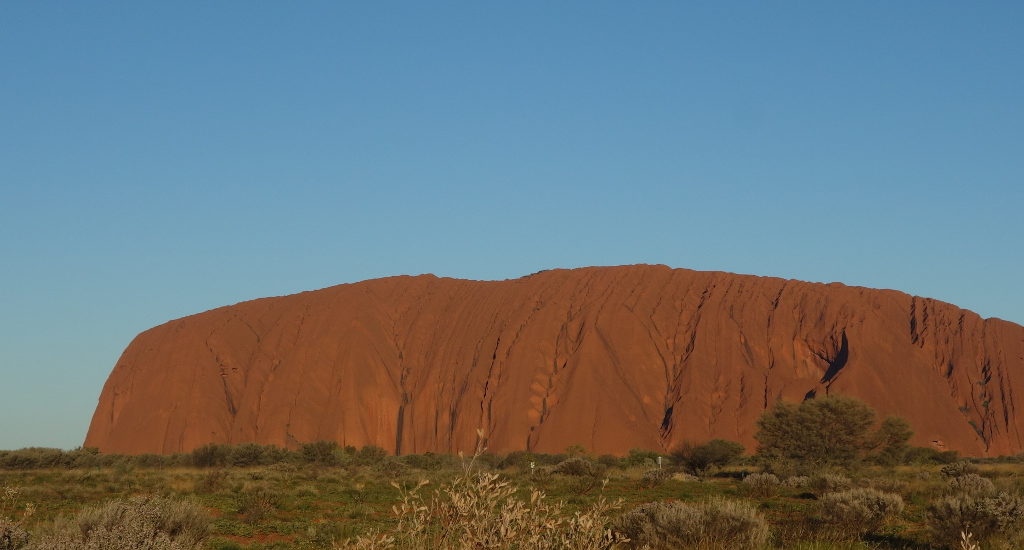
610, 358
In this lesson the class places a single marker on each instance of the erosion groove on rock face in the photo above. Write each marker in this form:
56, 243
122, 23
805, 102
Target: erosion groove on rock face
610, 358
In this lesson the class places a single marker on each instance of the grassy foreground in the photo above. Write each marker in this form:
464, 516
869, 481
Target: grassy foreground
294, 504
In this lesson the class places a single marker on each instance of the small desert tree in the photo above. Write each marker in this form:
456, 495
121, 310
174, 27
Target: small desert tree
890, 445
715, 453
321, 452
831, 431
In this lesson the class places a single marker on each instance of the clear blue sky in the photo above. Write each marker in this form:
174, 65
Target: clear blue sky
161, 159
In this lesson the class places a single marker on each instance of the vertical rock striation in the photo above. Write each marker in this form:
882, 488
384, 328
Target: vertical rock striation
611, 358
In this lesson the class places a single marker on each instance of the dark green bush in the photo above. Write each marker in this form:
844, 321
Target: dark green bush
370, 454
324, 453
928, 455
889, 443
32, 458
517, 459
579, 466
641, 457
152, 461
829, 431
82, 457
248, 454
211, 455
427, 461
698, 459
390, 467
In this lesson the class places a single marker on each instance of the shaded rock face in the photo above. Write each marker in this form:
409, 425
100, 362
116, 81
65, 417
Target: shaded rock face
610, 358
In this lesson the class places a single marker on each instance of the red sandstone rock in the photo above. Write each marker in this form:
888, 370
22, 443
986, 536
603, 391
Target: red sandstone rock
611, 358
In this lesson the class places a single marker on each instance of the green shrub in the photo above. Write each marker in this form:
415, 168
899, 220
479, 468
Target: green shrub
581, 485
889, 443
783, 468
860, 511
427, 461
211, 455
324, 453
516, 459
579, 466
550, 459
928, 455
370, 454
698, 459
82, 457
152, 461
640, 457
390, 468
830, 431
575, 450
251, 454
32, 458
676, 525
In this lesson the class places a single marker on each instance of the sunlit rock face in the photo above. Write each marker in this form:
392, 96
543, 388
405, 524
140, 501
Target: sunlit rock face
610, 358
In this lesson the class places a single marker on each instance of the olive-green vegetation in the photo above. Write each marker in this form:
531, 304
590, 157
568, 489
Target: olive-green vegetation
865, 490
832, 431
697, 459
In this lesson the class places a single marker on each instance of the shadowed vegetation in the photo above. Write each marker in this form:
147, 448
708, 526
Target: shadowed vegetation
873, 493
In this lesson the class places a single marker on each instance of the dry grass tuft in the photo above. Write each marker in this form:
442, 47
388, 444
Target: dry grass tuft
995, 521
761, 485
860, 511
150, 523
714, 524
482, 511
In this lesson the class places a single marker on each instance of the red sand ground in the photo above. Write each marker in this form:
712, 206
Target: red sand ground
611, 358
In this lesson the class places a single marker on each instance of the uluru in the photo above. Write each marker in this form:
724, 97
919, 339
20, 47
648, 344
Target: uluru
610, 358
